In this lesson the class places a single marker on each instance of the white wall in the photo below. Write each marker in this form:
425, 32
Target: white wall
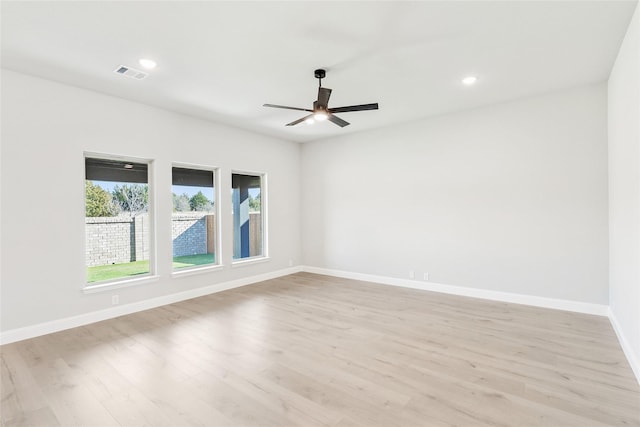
624, 192
510, 198
47, 126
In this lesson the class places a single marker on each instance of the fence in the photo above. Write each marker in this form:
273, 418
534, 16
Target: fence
193, 233
114, 240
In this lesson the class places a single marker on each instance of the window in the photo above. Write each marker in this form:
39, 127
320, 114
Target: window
248, 216
193, 222
117, 221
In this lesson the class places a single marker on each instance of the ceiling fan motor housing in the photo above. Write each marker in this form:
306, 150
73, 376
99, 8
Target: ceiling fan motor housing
317, 107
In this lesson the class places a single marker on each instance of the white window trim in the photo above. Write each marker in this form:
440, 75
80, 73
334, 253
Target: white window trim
127, 281
119, 283
196, 270
250, 261
217, 265
264, 217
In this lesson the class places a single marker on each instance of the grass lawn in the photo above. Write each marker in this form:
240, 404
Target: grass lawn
117, 271
192, 260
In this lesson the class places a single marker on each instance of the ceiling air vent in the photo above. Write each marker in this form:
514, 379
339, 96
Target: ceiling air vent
130, 72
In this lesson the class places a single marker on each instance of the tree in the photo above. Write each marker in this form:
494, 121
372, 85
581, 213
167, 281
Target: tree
98, 201
254, 204
181, 203
200, 203
132, 198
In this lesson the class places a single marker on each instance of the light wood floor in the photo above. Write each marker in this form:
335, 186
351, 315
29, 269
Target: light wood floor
314, 350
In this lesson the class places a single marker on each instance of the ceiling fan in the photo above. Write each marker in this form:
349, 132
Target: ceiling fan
321, 110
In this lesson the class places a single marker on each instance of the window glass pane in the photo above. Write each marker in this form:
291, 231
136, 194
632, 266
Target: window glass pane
193, 222
117, 223
246, 195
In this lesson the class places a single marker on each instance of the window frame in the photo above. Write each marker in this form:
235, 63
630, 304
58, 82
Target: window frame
263, 219
125, 281
218, 264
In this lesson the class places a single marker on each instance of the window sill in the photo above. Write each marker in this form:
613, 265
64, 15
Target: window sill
194, 271
102, 287
249, 261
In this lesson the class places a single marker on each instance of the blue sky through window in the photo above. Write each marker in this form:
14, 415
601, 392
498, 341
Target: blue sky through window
177, 189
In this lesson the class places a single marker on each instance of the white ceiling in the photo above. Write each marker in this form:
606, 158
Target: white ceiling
222, 60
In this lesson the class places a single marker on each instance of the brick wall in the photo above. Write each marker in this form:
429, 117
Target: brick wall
189, 233
114, 240
109, 240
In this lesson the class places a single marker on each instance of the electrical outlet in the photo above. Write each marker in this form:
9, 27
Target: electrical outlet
290, 263
115, 300
426, 276
412, 274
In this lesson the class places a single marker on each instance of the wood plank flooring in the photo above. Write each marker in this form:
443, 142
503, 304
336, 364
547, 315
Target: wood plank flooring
311, 350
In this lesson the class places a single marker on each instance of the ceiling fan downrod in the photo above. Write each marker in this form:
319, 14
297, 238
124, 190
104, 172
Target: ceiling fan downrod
320, 74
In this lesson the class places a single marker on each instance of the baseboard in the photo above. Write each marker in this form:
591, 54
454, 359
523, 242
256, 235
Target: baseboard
27, 332
558, 304
632, 358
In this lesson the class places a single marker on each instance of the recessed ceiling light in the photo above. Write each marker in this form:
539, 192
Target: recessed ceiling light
149, 64
469, 80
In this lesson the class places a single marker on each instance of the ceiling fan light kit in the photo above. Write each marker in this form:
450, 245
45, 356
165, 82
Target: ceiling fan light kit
321, 110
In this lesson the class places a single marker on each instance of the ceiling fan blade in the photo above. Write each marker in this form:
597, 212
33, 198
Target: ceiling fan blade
287, 108
323, 97
337, 120
362, 107
295, 122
